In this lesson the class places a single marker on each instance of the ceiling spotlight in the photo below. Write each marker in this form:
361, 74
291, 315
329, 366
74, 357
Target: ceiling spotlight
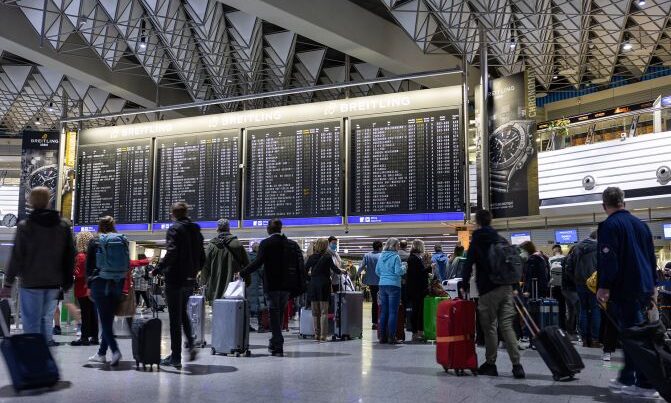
51, 107
143, 43
512, 45
555, 77
641, 3
37, 121
627, 46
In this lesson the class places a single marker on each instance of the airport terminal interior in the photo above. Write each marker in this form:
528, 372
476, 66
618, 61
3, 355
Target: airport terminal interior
387, 141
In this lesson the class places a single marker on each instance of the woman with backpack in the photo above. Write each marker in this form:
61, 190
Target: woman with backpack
107, 265
89, 319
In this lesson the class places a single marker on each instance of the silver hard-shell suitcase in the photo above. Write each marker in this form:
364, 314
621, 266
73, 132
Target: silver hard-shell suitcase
195, 309
348, 315
307, 324
230, 327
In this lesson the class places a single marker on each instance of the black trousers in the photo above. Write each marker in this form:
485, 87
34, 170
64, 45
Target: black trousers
177, 298
277, 304
417, 317
559, 296
144, 296
609, 334
374, 289
89, 318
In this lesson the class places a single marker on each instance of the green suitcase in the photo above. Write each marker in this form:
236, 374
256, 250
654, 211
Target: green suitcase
430, 313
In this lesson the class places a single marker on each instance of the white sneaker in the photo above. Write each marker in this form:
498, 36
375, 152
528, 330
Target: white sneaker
615, 386
634, 390
116, 357
97, 358
606, 356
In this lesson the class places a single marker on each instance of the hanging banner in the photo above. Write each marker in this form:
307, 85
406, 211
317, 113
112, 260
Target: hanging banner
513, 158
39, 166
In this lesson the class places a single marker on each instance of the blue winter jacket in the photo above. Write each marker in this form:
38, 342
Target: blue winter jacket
626, 260
389, 268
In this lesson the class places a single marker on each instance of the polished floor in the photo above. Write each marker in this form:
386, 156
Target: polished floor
349, 371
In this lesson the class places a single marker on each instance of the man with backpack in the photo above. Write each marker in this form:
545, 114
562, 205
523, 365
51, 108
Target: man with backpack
498, 271
283, 277
556, 262
43, 257
224, 256
183, 260
581, 264
439, 263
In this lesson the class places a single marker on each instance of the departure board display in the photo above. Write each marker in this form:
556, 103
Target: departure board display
294, 173
115, 180
406, 168
201, 170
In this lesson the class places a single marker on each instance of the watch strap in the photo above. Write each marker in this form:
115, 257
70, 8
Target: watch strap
498, 180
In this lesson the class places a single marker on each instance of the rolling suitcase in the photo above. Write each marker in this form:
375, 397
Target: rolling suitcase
554, 346
29, 361
348, 315
452, 287
195, 309
146, 341
430, 315
544, 311
230, 327
455, 336
400, 323
306, 327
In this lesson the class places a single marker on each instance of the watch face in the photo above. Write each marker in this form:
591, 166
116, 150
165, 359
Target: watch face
9, 220
506, 144
44, 176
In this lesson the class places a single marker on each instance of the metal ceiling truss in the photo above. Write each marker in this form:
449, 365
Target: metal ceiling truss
569, 44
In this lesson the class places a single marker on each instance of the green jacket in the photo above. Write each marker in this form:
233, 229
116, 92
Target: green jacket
224, 255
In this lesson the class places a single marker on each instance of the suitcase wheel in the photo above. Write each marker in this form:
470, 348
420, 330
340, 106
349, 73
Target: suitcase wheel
214, 351
144, 367
248, 353
304, 336
137, 364
237, 354
474, 372
334, 338
446, 368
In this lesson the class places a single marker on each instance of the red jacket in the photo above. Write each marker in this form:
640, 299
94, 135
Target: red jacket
81, 290
129, 276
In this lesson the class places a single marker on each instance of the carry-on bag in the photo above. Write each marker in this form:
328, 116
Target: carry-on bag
29, 361
400, 323
430, 315
306, 327
554, 346
146, 341
452, 287
348, 315
544, 311
195, 310
455, 336
230, 327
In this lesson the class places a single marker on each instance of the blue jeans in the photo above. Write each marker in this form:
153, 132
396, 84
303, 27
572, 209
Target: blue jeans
106, 295
37, 310
590, 314
629, 314
390, 297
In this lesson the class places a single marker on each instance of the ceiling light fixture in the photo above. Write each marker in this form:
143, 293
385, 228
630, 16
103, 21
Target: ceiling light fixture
143, 43
51, 107
555, 77
512, 44
37, 121
627, 46
641, 3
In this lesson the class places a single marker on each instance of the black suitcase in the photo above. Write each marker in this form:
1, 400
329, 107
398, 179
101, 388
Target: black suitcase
649, 347
554, 346
29, 361
146, 341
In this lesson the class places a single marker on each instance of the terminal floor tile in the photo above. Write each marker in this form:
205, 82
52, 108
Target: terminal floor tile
348, 371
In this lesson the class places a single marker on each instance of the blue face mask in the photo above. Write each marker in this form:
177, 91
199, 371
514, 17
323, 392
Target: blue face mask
333, 246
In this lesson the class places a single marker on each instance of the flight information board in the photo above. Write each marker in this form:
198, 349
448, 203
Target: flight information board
115, 180
294, 173
202, 171
406, 168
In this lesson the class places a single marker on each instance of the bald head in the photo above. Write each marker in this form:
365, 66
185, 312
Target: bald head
39, 198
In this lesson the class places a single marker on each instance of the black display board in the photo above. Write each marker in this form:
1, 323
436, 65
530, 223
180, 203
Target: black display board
201, 170
295, 173
406, 165
115, 180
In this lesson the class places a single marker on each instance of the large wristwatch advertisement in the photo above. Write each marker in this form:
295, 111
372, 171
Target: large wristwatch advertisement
39, 166
510, 147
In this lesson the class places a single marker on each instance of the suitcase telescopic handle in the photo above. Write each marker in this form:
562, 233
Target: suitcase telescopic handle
3, 325
526, 317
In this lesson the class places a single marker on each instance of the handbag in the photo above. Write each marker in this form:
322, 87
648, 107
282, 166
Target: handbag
436, 289
235, 289
592, 282
126, 306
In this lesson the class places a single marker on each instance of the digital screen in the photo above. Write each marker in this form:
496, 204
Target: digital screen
202, 171
518, 238
406, 164
294, 173
667, 231
114, 180
566, 236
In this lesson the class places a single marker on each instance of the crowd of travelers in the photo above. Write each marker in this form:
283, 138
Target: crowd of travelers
614, 269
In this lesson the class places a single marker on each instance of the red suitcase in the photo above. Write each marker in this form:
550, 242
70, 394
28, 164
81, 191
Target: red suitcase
455, 336
400, 323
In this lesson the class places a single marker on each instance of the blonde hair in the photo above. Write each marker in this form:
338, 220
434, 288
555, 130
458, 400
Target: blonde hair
82, 240
320, 245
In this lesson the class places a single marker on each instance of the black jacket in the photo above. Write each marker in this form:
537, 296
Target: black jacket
185, 253
43, 255
320, 267
482, 239
536, 270
271, 256
581, 264
417, 277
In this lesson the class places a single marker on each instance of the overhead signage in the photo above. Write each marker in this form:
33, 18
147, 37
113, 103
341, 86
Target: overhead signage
667, 231
601, 114
566, 236
517, 238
